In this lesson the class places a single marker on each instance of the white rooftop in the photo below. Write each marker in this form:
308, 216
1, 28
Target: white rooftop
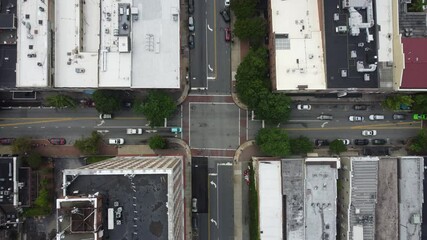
33, 51
298, 44
320, 198
384, 13
411, 197
270, 200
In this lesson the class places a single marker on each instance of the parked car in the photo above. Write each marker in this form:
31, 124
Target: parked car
405, 107
360, 107
105, 116
6, 141
57, 141
191, 41
194, 205
325, 117
116, 141
356, 118
227, 33
191, 6
399, 116
419, 116
304, 107
227, 3
191, 23
345, 141
374, 117
369, 132
379, 141
321, 142
361, 141
225, 15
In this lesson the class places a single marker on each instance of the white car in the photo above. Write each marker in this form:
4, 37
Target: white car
356, 118
105, 116
194, 205
227, 3
369, 132
345, 141
304, 107
191, 24
116, 141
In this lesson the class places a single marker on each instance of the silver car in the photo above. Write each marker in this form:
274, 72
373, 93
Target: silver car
356, 118
191, 24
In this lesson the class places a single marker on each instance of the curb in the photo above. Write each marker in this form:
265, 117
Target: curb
241, 148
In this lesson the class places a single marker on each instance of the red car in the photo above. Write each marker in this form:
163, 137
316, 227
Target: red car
227, 32
6, 141
57, 141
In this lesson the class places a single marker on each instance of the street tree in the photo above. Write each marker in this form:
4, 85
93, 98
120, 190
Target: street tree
419, 143
107, 101
89, 145
393, 102
157, 142
243, 8
274, 108
34, 160
157, 106
21, 146
251, 29
337, 147
273, 142
420, 103
301, 145
250, 91
61, 101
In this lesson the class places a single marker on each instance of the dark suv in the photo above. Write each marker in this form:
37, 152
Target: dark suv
361, 142
321, 142
379, 141
225, 15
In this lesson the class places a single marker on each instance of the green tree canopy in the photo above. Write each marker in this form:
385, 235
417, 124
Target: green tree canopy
89, 146
417, 6
61, 101
393, 102
243, 8
250, 91
34, 160
337, 147
273, 108
301, 145
273, 142
107, 101
21, 145
420, 103
157, 142
251, 29
157, 107
419, 143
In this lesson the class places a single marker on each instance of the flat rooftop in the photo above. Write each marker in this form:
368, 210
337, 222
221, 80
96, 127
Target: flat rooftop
7, 66
293, 193
321, 199
270, 199
298, 45
415, 50
7, 183
33, 49
350, 38
411, 197
143, 198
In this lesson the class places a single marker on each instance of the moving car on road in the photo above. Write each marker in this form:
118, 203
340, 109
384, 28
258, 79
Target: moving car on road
374, 117
57, 141
361, 141
116, 141
399, 116
379, 141
419, 116
225, 15
356, 118
227, 33
105, 116
227, 3
304, 107
321, 142
194, 205
369, 132
134, 131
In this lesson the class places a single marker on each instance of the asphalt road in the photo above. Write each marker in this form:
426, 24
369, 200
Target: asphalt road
74, 124
198, 65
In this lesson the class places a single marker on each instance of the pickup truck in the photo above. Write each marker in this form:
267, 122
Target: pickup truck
134, 131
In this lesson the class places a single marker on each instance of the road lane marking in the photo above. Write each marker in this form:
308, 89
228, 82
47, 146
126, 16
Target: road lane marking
343, 128
34, 122
210, 29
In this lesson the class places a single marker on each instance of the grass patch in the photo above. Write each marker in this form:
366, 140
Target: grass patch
253, 205
94, 159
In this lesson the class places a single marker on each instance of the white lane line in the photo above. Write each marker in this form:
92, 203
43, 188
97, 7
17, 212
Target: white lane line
69, 126
30, 127
42, 127
210, 68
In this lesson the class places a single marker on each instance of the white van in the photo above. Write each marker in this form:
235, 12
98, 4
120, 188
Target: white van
376, 117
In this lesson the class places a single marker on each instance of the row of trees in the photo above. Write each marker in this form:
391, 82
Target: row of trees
248, 25
418, 102
275, 142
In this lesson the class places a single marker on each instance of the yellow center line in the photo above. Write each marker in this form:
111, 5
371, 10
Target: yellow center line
50, 120
35, 122
377, 126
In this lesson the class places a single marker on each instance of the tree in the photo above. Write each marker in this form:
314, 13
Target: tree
420, 103
34, 160
106, 101
157, 142
61, 101
393, 102
243, 8
250, 91
157, 107
419, 143
337, 147
21, 146
301, 145
251, 29
138, 106
274, 142
417, 6
89, 146
273, 108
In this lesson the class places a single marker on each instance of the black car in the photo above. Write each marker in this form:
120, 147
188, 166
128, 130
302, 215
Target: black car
399, 116
360, 107
361, 141
321, 142
225, 15
379, 141
191, 41
190, 6
6, 141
